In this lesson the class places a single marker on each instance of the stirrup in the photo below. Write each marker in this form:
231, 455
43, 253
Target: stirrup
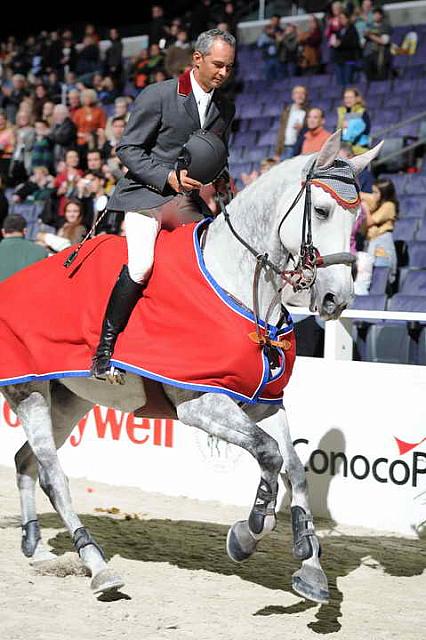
115, 375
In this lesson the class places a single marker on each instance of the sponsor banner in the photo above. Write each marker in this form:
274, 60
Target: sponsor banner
359, 429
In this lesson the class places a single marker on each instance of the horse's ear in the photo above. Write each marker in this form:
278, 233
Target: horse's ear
329, 151
358, 163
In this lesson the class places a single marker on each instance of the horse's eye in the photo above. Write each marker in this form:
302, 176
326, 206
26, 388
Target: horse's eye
322, 213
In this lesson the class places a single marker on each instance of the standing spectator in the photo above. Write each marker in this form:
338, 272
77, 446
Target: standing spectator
182, 41
47, 113
155, 61
94, 160
89, 117
63, 133
347, 51
15, 251
20, 167
114, 56
313, 136
54, 87
42, 153
7, 144
333, 24
69, 55
377, 56
291, 122
288, 50
354, 120
382, 210
88, 58
53, 52
310, 42
200, 18
268, 42
157, 28
364, 19
12, 97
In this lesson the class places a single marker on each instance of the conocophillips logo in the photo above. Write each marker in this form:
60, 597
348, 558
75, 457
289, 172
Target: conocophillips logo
360, 467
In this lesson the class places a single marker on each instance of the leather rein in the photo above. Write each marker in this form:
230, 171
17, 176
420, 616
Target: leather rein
304, 274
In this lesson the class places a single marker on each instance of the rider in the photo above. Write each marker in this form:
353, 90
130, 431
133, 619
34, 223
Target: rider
154, 192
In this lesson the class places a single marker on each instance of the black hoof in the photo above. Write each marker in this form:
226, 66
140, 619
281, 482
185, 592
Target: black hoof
322, 596
233, 547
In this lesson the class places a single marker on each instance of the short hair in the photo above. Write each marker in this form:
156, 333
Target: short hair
96, 173
118, 119
14, 223
95, 151
206, 39
317, 109
41, 121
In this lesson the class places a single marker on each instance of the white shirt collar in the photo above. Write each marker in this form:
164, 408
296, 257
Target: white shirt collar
202, 98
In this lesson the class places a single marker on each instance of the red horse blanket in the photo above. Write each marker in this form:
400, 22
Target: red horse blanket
185, 330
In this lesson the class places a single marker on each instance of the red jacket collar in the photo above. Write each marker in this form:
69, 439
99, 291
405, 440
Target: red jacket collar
184, 83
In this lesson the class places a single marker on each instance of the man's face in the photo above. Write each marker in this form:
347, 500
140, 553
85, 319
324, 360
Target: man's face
298, 95
94, 161
314, 119
118, 128
377, 17
72, 159
213, 68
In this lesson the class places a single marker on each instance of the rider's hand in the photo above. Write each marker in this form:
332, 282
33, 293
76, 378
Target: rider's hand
187, 183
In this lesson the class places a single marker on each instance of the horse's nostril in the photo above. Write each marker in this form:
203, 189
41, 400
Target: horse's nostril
329, 303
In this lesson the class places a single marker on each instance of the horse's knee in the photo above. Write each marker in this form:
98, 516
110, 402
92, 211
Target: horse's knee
25, 462
269, 455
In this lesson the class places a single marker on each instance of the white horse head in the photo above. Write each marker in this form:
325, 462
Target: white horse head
332, 224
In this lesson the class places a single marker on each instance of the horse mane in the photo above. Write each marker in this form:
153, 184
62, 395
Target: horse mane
266, 190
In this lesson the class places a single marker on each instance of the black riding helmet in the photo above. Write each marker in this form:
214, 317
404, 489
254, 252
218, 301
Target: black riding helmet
204, 156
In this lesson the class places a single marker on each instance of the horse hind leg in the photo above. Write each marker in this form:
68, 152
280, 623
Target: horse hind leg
32, 407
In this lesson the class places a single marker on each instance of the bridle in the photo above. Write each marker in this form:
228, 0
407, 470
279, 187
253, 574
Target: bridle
304, 274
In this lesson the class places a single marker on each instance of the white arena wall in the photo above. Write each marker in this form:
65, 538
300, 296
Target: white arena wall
346, 419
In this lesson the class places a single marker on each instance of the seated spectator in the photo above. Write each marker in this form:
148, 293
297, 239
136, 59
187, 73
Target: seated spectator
71, 231
108, 91
310, 41
110, 143
291, 122
182, 40
139, 71
347, 50
15, 251
353, 119
89, 117
69, 59
268, 42
47, 113
63, 133
288, 50
377, 57
121, 110
382, 208
89, 188
20, 166
312, 137
4, 204
67, 179
54, 87
74, 102
7, 144
13, 96
42, 152
155, 61
37, 188
94, 159
40, 97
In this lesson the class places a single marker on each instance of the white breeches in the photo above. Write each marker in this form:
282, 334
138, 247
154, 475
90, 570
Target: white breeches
141, 234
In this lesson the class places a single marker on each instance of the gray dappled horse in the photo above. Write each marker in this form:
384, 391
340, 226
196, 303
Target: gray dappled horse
50, 410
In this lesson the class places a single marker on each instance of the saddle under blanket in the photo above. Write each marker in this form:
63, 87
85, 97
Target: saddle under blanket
185, 330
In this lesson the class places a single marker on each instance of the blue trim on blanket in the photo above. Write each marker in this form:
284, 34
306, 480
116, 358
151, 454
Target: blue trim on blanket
224, 296
56, 375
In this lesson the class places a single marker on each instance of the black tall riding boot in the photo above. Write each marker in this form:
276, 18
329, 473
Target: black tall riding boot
123, 298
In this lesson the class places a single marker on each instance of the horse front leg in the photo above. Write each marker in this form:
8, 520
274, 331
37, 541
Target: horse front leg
220, 416
31, 404
310, 580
